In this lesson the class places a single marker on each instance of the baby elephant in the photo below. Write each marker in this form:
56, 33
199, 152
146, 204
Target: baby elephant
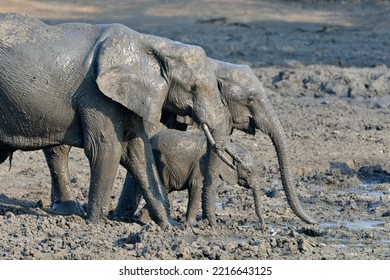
180, 157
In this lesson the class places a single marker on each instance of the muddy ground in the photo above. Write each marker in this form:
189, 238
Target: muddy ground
325, 66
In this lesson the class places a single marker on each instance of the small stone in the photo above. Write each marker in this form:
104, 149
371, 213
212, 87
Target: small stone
129, 246
9, 215
303, 245
139, 246
273, 242
230, 246
39, 204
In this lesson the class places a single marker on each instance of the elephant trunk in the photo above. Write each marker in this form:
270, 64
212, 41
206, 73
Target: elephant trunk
274, 129
256, 196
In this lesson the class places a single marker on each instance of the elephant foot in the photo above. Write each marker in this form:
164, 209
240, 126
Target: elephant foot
71, 207
212, 222
123, 217
144, 216
263, 227
174, 223
190, 221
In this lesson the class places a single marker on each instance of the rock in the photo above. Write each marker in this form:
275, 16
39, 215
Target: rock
10, 215
386, 214
304, 245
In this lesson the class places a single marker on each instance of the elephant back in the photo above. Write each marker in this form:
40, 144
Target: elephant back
177, 155
180, 144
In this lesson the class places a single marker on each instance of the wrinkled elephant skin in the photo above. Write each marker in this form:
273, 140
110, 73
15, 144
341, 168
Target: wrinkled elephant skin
93, 87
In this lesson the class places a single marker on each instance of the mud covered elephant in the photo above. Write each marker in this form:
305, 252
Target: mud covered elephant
180, 156
93, 87
246, 108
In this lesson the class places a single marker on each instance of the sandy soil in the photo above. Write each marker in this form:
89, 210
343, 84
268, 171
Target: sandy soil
325, 66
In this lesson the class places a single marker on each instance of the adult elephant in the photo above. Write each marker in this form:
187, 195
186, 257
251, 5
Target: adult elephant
94, 86
246, 108
249, 110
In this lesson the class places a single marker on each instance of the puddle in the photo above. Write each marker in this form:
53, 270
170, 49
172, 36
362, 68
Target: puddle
222, 203
345, 243
364, 224
219, 205
369, 189
375, 102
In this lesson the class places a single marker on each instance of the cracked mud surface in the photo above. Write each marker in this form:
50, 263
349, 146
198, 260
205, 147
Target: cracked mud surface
325, 67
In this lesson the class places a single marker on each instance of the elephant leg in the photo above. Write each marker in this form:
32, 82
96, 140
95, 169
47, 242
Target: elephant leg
104, 162
129, 199
140, 162
210, 183
62, 198
103, 150
194, 198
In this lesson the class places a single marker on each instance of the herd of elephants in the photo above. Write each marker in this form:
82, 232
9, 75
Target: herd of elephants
160, 108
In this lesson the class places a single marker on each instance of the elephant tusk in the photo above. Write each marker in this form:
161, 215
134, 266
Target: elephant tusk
218, 150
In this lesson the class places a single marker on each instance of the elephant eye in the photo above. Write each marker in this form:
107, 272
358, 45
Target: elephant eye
250, 99
219, 86
194, 88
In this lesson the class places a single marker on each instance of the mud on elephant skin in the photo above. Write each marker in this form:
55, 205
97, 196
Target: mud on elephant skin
180, 156
247, 108
93, 86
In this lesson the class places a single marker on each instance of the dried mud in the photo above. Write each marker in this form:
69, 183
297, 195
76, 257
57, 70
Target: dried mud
325, 66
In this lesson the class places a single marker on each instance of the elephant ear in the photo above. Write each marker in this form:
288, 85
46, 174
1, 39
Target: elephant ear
132, 76
228, 175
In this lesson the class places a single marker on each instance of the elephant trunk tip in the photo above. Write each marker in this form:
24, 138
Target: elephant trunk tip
311, 220
305, 217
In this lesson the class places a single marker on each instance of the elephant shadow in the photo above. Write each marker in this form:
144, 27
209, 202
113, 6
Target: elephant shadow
373, 174
18, 206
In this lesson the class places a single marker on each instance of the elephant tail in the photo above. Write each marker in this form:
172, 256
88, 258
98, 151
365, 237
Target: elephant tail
6, 155
10, 156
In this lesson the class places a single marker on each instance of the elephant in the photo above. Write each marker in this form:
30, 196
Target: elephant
94, 87
246, 108
179, 157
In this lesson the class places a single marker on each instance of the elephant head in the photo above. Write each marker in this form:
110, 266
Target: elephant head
243, 174
249, 109
147, 73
